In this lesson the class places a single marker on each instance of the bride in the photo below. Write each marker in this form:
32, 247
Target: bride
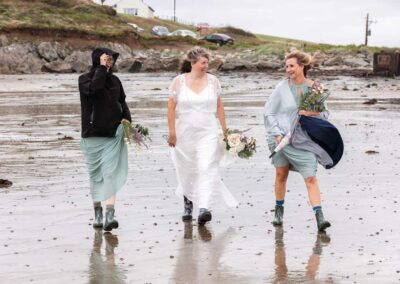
193, 108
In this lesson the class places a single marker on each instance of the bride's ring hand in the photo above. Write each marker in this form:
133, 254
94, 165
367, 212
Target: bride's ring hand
172, 140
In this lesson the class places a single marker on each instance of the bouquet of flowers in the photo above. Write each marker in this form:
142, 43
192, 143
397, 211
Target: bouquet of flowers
237, 143
314, 99
136, 134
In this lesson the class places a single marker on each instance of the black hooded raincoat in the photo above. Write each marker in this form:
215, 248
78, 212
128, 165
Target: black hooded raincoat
102, 97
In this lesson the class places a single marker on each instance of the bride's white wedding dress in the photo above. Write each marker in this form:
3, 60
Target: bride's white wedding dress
198, 150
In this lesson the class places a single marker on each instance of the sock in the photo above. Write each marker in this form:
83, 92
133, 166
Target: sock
109, 206
96, 204
317, 208
280, 202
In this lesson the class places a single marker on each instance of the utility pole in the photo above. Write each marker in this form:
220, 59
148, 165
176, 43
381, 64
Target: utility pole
368, 23
174, 10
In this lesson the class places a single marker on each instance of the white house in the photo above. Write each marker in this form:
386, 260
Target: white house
132, 7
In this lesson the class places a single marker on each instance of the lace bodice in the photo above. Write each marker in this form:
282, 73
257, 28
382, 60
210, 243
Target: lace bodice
187, 100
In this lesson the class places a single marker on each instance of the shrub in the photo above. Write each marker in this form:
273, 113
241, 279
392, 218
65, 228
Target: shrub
236, 31
58, 3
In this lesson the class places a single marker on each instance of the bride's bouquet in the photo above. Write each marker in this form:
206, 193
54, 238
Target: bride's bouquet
239, 144
137, 134
314, 99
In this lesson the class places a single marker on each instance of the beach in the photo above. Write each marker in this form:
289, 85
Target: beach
47, 236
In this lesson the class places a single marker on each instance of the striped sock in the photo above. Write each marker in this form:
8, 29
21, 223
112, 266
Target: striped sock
317, 208
280, 202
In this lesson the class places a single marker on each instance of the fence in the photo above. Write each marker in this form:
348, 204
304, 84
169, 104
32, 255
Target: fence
178, 20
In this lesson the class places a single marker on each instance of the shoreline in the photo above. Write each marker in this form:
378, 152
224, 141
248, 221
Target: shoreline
47, 236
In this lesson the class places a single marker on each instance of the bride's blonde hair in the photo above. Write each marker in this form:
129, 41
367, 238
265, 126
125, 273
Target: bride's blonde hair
302, 58
193, 55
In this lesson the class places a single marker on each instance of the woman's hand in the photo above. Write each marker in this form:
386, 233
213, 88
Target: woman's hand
125, 120
225, 133
278, 139
308, 113
103, 59
172, 139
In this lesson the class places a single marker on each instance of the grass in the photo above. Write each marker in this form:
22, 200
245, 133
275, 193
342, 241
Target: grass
79, 16
279, 45
85, 18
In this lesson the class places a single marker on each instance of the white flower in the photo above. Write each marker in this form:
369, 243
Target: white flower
234, 140
238, 149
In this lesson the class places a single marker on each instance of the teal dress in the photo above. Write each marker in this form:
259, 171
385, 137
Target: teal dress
280, 114
107, 161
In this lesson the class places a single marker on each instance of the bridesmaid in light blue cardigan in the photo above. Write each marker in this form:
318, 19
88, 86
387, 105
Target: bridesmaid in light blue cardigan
280, 117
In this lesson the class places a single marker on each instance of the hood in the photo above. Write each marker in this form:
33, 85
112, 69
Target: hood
99, 52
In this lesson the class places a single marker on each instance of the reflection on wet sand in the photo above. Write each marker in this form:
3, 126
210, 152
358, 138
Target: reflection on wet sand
102, 269
199, 258
282, 273
37, 113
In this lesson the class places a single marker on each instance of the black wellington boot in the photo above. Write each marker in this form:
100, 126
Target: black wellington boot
188, 209
321, 222
110, 223
278, 215
98, 217
204, 216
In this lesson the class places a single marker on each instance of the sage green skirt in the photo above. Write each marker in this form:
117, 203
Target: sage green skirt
298, 160
107, 162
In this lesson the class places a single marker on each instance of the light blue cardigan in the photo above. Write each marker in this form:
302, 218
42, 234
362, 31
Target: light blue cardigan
281, 109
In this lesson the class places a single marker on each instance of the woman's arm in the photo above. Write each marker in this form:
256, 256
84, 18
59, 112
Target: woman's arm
221, 114
270, 111
126, 114
308, 113
98, 81
171, 122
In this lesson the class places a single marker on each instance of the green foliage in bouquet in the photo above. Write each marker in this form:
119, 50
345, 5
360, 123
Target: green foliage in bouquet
314, 99
137, 134
237, 143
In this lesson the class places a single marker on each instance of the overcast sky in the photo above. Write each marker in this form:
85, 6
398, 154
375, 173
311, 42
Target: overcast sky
323, 21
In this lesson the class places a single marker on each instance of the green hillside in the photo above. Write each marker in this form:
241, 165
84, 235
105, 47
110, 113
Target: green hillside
83, 19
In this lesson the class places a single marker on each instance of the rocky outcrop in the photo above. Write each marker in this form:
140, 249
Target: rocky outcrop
171, 63
333, 61
80, 61
58, 57
47, 51
152, 65
58, 66
20, 58
63, 51
3, 40
269, 65
355, 62
215, 64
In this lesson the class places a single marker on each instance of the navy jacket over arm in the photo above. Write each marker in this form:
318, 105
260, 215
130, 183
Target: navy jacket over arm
326, 135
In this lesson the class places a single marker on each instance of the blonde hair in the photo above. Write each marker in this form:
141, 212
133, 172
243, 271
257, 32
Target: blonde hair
302, 58
193, 55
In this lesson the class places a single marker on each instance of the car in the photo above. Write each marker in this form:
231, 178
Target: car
136, 27
183, 33
159, 31
219, 39
202, 26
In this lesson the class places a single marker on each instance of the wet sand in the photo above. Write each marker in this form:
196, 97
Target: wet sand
46, 234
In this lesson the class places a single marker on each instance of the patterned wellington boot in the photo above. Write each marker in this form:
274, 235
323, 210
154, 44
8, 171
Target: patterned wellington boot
278, 215
110, 223
321, 222
204, 216
188, 209
98, 217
